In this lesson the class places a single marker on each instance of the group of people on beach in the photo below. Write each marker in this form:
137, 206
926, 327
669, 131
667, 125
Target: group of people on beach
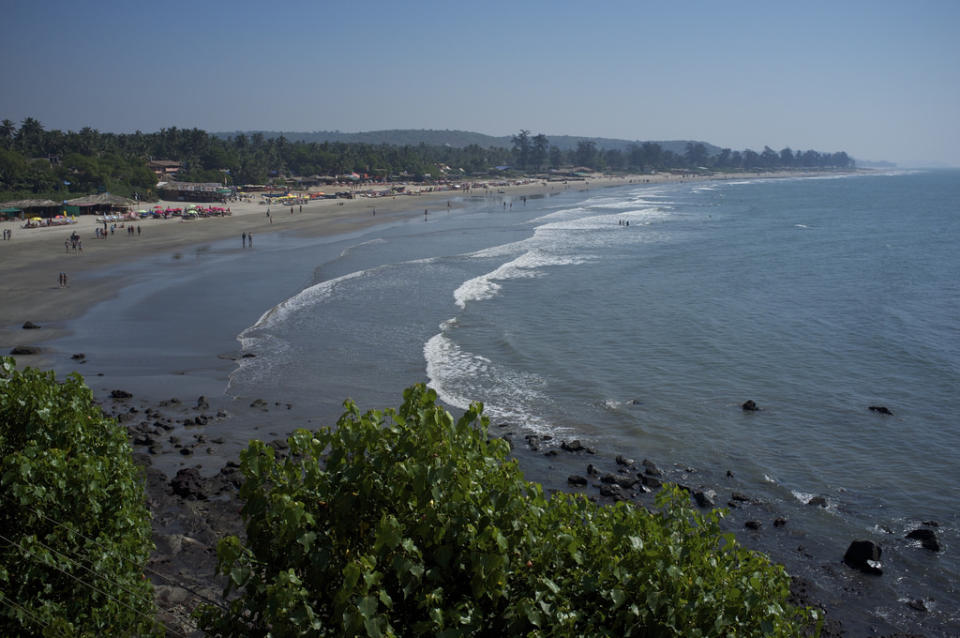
131, 229
7, 234
63, 279
247, 238
73, 242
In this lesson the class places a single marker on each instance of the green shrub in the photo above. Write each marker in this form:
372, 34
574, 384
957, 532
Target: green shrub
74, 525
411, 524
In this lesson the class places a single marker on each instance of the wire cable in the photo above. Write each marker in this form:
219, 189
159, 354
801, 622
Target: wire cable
9, 602
130, 561
93, 587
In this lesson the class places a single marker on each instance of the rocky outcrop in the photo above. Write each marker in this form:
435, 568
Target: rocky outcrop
880, 409
188, 484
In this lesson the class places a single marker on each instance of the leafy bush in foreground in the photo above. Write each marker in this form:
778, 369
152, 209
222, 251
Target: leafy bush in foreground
73, 520
412, 524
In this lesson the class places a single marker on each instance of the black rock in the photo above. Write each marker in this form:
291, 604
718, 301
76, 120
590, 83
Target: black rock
143, 439
202, 403
750, 406
579, 481
623, 481
188, 484
78, 356
247, 355
591, 470
186, 451
917, 605
753, 525
25, 350
259, 403
120, 394
880, 409
737, 496
779, 521
572, 446
622, 460
612, 491
927, 538
29, 325
705, 498
864, 556
818, 501
551, 453
650, 481
649, 467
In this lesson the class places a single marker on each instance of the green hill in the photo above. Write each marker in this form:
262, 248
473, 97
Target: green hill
460, 139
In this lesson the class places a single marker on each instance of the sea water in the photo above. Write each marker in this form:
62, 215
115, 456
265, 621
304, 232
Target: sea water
638, 319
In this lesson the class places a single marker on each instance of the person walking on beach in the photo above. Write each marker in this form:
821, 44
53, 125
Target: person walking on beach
66, 246
138, 230
243, 238
250, 239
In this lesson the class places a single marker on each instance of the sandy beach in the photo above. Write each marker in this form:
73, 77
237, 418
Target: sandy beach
33, 258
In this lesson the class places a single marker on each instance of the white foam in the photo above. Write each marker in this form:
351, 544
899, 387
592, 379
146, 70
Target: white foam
306, 297
373, 242
460, 377
526, 266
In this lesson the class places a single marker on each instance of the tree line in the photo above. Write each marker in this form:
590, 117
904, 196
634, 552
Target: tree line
536, 153
57, 164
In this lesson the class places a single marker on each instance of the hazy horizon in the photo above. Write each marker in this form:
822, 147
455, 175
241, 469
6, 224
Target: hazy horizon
879, 80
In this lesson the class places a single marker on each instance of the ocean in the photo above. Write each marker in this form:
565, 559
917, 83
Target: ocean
636, 319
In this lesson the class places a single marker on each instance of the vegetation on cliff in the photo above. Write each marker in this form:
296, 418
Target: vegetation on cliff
411, 523
74, 527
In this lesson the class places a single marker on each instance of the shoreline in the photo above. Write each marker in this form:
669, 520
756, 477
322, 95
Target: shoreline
33, 257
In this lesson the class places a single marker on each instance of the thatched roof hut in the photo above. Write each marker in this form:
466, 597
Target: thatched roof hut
29, 203
102, 200
33, 207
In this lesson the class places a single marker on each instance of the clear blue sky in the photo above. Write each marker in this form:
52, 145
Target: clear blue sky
878, 79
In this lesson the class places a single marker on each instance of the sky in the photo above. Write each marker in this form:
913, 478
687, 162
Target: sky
877, 79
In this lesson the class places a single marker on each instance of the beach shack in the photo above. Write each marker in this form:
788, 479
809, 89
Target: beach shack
43, 208
195, 191
99, 204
